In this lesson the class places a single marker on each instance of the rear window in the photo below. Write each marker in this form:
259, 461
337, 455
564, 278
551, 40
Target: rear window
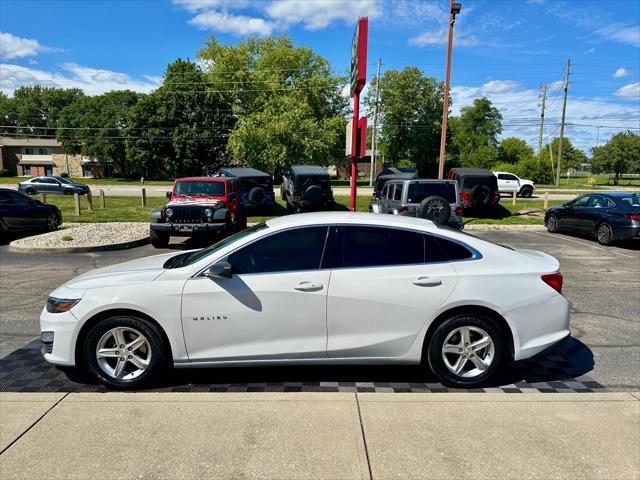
631, 200
419, 191
470, 182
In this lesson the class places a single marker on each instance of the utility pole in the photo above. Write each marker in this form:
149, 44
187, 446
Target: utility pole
374, 134
598, 137
564, 111
544, 99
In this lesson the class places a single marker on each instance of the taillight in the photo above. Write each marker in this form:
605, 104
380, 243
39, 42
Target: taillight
632, 216
403, 209
465, 198
459, 211
554, 280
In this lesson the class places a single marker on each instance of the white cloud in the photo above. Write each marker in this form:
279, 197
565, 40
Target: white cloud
91, 80
500, 86
17, 47
590, 51
621, 34
320, 14
631, 91
235, 24
440, 37
204, 5
621, 72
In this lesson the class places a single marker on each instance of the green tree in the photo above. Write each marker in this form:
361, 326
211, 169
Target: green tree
410, 115
620, 155
475, 135
95, 127
181, 128
7, 115
572, 157
288, 102
513, 150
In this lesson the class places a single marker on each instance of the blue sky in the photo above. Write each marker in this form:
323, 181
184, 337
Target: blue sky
503, 50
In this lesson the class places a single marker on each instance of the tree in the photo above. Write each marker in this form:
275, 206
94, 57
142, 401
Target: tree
95, 127
287, 101
36, 110
181, 128
513, 150
620, 155
475, 135
410, 115
571, 156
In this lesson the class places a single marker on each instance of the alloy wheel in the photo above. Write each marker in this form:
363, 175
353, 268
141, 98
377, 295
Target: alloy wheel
468, 351
52, 222
552, 223
123, 353
604, 234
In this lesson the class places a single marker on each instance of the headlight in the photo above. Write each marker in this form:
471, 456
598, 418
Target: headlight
168, 212
208, 212
59, 305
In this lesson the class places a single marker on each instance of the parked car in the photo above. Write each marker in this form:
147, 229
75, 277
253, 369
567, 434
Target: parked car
435, 200
199, 207
316, 288
306, 187
52, 185
509, 183
607, 216
19, 213
392, 173
256, 187
478, 187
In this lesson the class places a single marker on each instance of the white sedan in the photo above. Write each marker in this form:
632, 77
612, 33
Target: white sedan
318, 288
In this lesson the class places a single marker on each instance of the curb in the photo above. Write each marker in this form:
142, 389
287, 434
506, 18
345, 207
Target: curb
93, 248
487, 227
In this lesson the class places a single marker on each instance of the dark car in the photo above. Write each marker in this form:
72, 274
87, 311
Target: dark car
256, 187
19, 213
478, 187
52, 185
307, 187
202, 207
392, 173
608, 216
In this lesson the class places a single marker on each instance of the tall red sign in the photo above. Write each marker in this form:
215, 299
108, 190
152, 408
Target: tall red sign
358, 80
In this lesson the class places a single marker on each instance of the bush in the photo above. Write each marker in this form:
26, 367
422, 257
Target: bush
64, 175
5, 172
507, 167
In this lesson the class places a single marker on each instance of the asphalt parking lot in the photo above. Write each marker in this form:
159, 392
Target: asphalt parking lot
601, 283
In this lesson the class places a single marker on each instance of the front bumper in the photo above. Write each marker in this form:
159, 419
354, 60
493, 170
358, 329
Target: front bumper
64, 328
188, 229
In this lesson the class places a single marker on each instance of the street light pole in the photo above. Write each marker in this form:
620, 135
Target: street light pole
454, 10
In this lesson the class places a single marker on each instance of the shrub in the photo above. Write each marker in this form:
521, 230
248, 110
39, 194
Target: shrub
64, 175
67, 238
5, 172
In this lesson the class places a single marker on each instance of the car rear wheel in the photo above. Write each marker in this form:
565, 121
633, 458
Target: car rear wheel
68, 191
159, 239
124, 352
526, 192
552, 223
30, 191
604, 234
466, 350
53, 222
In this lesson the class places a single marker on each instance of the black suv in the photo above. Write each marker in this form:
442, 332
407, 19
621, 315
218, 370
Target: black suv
478, 187
307, 186
256, 187
392, 173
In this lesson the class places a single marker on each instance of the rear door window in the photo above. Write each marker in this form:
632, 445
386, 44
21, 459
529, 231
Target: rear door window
364, 246
397, 193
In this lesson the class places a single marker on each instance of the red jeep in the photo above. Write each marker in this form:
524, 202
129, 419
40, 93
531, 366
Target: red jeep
199, 207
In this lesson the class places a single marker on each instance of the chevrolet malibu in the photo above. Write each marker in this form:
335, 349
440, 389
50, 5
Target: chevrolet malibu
318, 288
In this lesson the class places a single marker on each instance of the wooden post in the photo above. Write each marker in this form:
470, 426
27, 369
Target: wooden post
102, 202
144, 197
76, 202
89, 201
514, 195
546, 200
43, 197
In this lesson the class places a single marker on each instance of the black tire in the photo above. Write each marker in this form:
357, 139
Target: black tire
159, 239
155, 351
471, 375
67, 191
30, 191
53, 222
526, 192
480, 196
552, 223
290, 208
313, 195
604, 234
436, 209
257, 196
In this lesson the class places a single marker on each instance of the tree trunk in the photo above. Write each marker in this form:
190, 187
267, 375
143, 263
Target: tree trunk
616, 179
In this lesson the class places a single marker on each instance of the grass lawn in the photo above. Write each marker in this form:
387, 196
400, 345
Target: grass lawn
602, 182
129, 209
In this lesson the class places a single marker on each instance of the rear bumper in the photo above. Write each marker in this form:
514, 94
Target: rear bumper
626, 233
188, 229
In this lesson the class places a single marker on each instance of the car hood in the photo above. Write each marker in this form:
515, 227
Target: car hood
140, 270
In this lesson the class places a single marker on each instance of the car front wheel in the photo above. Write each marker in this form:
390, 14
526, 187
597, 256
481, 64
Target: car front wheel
552, 223
124, 352
159, 239
466, 350
53, 222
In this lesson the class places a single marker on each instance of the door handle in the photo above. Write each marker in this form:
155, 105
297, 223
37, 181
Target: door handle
308, 287
427, 282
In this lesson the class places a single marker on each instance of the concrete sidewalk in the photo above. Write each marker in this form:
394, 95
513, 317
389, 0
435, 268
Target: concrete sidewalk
319, 435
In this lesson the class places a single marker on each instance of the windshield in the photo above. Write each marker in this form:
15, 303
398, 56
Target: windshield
419, 191
190, 258
205, 189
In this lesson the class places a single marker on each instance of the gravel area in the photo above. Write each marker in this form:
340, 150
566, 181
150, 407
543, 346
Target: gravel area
86, 235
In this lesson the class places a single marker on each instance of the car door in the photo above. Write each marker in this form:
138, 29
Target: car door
10, 213
597, 208
574, 217
396, 200
49, 185
273, 306
382, 290
27, 213
382, 200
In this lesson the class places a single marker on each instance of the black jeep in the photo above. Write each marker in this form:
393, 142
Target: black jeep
307, 187
256, 187
478, 187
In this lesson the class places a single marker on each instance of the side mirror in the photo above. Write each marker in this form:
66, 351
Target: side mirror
218, 270
168, 194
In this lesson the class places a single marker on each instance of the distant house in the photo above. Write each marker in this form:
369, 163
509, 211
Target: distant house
33, 157
364, 167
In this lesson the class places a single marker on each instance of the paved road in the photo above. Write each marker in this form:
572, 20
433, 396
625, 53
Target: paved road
602, 284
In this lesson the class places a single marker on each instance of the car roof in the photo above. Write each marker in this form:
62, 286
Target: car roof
464, 172
204, 179
244, 172
614, 194
309, 170
360, 218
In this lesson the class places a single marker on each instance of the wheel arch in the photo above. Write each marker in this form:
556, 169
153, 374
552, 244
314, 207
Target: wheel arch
500, 321
100, 316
